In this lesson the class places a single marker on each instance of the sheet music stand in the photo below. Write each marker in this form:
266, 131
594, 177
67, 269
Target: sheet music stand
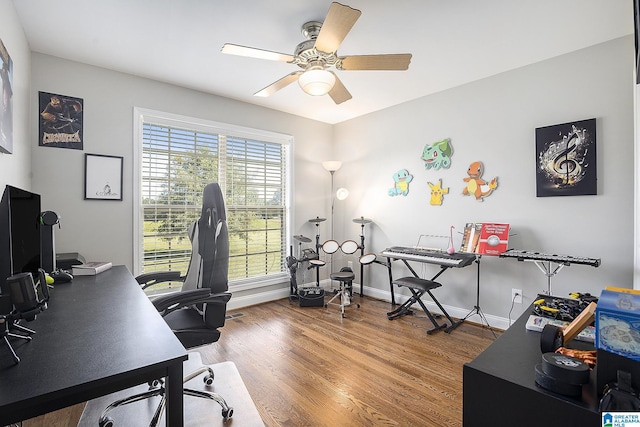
476, 310
486, 238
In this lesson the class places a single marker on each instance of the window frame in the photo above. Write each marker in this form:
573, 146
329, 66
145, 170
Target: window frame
142, 115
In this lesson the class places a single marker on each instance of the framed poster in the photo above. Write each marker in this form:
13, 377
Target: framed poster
102, 177
566, 159
60, 121
6, 101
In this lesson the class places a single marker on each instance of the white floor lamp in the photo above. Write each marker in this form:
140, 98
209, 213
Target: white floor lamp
342, 193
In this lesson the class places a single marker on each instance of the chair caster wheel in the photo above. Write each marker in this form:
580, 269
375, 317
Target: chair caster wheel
228, 413
208, 380
342, 314
326, 305
107, 422
358, 305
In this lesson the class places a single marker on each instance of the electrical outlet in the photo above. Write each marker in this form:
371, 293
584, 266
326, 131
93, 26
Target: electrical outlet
516, 296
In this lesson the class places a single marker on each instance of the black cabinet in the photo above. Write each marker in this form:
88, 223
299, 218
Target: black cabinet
499, 386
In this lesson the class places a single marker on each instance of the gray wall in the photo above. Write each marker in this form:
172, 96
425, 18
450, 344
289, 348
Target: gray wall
494, 120
102, 230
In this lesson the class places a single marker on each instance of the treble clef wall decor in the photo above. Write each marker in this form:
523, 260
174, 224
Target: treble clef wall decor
566, 159
565, 163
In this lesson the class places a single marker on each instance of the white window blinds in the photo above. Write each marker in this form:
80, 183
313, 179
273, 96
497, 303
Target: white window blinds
176, 164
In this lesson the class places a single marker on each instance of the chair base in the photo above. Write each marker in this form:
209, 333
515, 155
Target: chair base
197, 412
157, 389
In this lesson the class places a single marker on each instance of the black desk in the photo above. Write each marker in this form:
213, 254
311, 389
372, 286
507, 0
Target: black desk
499, 386
100, 334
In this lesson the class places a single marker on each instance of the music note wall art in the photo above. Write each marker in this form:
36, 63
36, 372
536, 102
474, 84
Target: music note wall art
566, 159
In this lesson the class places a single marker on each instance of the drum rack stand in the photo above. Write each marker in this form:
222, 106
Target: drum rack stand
362, 221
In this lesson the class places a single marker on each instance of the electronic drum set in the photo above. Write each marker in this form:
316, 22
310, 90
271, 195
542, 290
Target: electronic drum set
329, 247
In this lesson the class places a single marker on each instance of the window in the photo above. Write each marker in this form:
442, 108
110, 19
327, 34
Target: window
177, 157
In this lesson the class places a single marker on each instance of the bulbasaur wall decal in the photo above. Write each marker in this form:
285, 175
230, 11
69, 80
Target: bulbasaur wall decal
437, 155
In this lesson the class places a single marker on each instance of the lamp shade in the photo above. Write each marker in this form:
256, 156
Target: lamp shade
317, 81
332, 165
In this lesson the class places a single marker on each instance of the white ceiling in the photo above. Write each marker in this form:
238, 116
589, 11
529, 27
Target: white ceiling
453, 42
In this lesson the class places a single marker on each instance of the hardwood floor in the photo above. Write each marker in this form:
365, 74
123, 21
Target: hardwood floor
307, 366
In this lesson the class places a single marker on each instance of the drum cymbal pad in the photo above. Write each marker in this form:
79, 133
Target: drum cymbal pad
362, 220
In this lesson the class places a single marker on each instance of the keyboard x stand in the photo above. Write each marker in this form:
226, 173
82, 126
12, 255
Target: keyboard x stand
418, 288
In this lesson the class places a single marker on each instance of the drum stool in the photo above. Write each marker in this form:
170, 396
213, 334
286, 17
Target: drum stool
345, 277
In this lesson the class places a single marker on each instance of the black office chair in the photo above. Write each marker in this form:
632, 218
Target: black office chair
199, 309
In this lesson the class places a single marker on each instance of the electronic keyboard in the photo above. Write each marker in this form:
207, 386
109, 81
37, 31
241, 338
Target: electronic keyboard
459, 259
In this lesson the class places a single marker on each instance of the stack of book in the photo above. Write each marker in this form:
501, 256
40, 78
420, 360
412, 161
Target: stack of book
485, 238
90, 268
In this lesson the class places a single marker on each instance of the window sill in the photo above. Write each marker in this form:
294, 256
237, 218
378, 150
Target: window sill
253, 283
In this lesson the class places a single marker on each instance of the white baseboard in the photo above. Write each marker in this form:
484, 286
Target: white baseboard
257, 298
385, 295
456, 312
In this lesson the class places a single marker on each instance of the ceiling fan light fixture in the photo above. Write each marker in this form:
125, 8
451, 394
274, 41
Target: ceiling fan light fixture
319, 53
317, 82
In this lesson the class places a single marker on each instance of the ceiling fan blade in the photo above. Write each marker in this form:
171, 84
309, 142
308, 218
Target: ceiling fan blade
397, 61
336, 26
339, 93
279, 84
252, 52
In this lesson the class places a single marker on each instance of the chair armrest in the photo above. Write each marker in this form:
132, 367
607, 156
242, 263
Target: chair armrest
165, 304
150, 279
175, 300
221, 298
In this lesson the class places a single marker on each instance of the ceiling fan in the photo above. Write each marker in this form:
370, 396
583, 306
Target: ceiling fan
319, 52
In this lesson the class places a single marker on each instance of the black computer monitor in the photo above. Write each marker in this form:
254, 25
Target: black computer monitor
19, 232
